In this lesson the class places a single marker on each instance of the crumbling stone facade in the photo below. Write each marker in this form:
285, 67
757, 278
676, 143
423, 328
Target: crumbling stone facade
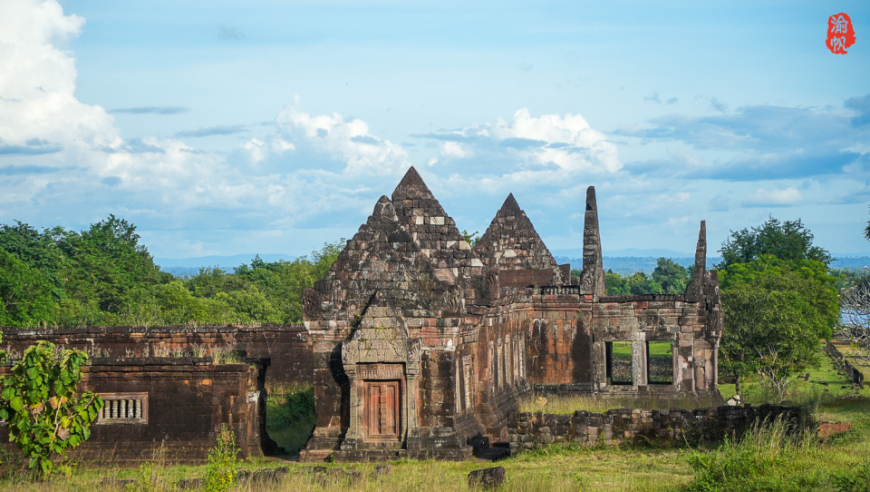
423, 344
171, 406
419, 345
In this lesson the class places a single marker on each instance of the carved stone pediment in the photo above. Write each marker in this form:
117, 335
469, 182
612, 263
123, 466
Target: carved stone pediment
378, 344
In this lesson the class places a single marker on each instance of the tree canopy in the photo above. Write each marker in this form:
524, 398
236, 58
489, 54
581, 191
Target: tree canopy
778, 299
105, 276
787, 240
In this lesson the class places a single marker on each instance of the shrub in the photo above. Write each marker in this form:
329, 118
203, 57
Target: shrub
222, 462
45, 415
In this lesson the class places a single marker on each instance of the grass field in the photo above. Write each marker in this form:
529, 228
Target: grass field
767, 461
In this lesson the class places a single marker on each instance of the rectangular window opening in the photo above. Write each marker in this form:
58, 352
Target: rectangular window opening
123, 408
619, 363
660, 362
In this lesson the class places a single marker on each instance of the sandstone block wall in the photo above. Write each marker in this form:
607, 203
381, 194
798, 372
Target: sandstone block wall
187, 400
528, 430
288, 346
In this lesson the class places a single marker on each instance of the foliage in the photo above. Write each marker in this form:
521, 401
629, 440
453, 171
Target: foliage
290, 416
778, 300
263, 291
773, 332
867, 231
668, 277
787, 240
105, 276
855, 480
761, 460
471, 237
815, 292
26, 295
222, 462
849, 277
45, 415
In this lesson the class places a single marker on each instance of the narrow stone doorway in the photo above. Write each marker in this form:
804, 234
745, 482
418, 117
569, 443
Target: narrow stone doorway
382, 410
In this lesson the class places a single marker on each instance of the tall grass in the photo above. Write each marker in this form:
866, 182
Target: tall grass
770, 456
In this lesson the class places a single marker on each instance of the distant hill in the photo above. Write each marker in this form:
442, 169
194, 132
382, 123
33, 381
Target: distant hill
630, 264
182, 267
852, 263
627, 265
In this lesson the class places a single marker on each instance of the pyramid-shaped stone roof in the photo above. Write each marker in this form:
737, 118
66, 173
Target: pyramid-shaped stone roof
381, 266
511, 243
434, 232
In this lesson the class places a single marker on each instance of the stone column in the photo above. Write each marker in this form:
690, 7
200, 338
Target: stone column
638, 363
353, 435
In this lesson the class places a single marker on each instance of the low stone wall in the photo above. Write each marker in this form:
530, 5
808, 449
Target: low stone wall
176, 406
529, 430
844, 366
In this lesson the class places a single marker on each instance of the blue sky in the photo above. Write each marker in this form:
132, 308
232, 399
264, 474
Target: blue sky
225, 127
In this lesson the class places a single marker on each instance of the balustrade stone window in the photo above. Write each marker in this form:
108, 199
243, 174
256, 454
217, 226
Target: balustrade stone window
124, 408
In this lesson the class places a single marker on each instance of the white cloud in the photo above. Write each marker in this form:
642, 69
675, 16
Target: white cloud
550, 150
60, 157
773, 198
582, 149
256, 148
455, 149
349, 142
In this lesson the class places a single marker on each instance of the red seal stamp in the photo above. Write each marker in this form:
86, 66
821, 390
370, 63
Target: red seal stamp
841, 34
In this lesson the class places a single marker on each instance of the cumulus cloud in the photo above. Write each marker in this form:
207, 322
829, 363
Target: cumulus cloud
349, 142
60, 157
543, 149
773, 198
767, 142
455, 149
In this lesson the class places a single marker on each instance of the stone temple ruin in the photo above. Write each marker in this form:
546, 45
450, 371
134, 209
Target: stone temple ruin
419, 345
423, 343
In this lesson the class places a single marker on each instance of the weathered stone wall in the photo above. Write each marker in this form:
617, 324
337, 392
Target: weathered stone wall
638, 319
188, 400
288, 346
528, 430
558, 347
843, 366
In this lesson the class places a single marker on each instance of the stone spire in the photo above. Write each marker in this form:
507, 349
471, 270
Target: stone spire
592, 277
695, 289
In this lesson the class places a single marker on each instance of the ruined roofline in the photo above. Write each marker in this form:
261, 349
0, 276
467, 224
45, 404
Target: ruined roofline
511, 209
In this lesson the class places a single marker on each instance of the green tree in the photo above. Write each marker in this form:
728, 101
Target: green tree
787, 240
867, 231
38, 251
768, 331
671, 276
471, 237
808, 280
108, 269
26, 296
45, 414
616, 284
